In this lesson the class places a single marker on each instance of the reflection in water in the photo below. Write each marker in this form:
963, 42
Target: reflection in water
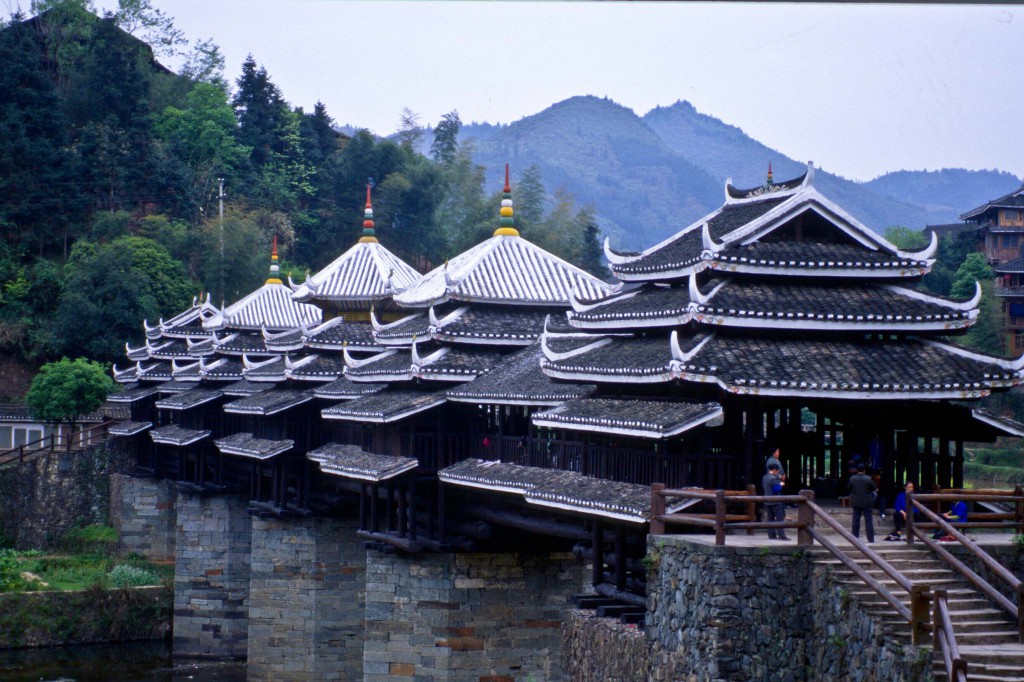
135, 662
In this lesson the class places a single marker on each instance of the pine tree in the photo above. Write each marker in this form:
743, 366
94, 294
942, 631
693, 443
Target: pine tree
446, 139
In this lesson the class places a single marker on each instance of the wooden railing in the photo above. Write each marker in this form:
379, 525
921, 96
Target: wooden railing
944, 641
808, 512
920, 504
52, 443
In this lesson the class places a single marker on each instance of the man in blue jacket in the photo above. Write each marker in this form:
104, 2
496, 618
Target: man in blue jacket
772, 485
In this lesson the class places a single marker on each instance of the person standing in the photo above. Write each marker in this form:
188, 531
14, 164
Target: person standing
774, 511
774, 459
862, 499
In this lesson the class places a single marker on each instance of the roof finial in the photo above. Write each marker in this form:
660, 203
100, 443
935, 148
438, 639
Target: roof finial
507, 224
275, 270
769, 181
368, 237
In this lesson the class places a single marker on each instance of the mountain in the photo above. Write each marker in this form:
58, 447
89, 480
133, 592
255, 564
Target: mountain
602, 152
952, 190
647, 177
725, 150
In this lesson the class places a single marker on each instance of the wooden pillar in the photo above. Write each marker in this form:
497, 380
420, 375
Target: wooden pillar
597, 567
958, 464
402, 523
389, 514
374, 521
620, 558
412, 509
945, 464
363, 498
928, 478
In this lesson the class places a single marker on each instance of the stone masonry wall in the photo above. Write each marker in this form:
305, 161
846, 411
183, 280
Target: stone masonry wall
480, 617
603, 649
211, 576
306, 599
761, 613
48, 495
142, 510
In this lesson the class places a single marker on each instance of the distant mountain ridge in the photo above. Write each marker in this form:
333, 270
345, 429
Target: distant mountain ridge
648, 177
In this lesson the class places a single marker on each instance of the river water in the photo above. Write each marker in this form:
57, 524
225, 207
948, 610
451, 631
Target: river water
135, 662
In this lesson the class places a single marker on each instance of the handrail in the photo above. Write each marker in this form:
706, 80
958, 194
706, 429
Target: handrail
916, 615
944, 640
53, 442
1016, 611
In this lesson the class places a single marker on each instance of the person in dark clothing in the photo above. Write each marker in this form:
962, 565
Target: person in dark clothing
958, 514
862, 498
774, 459
772, 484
899, 513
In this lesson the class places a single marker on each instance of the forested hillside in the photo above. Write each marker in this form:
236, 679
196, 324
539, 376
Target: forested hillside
951, 191
112, 168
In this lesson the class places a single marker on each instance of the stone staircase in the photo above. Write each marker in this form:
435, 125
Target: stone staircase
986, 636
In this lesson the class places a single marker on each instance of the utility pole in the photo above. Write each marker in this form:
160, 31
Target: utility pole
220, 201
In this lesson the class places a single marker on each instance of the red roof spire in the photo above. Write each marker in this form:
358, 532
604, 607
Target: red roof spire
275, 270
368, 220
769, 173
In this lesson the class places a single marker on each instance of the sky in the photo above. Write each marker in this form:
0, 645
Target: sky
860, 89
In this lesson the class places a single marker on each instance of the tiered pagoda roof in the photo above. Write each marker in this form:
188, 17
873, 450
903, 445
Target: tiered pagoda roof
778, 293
366, 275
1014, 199
476, 308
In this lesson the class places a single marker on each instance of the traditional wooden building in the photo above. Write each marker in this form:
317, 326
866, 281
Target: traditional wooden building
1000, 226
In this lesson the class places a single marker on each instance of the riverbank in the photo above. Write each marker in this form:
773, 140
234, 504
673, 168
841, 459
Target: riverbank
36, 619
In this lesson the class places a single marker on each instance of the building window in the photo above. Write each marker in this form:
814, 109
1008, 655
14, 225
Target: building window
1010, 241
1011, 215
1018, 341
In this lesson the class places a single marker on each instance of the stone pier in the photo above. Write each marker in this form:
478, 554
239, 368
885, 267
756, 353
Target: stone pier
306, 600
142, 510
487, 617
211, 576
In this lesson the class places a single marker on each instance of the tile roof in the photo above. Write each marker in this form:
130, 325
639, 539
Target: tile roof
391, 365
503, 269
271, 369
634, 417
129, 428
489, 325
336, 333
270, 306
1006, 425
351, 461
321, 368
344, 388
245, 387
685, 248
288, 340
132, 395
453, 363
366, 272
816, 259
554, 488
402, 332
268, 402
842, 368
1014, 199
385, 406
518, 380
174, 386
1010, 267
186, 400
240, 343
649, 306
185, 323
246, 445
175, 435
222, 369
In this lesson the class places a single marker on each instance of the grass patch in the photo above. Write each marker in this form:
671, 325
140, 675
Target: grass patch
83, 571
95, 539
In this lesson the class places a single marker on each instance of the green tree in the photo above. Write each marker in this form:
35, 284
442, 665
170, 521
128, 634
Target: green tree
107, 290
973, 269
140, 19
530, 199
906, 238
409, 131
65, 391
446, 138
202, 135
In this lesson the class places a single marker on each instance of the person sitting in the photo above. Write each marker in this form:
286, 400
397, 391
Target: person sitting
899, 513
956, 514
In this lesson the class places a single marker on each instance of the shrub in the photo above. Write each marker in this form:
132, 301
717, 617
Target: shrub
10, 571
95, 539
124, 575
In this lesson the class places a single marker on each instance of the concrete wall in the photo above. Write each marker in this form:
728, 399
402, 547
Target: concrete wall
306, 599
142, 510
481, 617
211, 576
